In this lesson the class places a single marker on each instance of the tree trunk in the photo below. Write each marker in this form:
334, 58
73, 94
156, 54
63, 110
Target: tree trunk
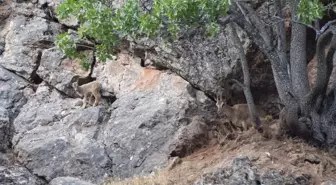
93, 63
281, 33
246, 73
298, 57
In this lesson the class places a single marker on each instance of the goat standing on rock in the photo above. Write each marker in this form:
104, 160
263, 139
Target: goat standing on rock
89, 89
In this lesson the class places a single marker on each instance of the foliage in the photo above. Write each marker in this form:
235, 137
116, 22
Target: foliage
310, 10
166, 18
67, 45
85, 64
97, 22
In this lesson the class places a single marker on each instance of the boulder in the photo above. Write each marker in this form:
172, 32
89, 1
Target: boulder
331, 182
243, 172
12, 98
22, 36
68, 181
16, 175
55, 138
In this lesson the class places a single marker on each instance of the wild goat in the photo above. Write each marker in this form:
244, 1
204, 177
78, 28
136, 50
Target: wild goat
238, 114
88, 90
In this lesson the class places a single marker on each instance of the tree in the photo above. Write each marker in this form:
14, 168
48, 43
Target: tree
246, 86
308, 113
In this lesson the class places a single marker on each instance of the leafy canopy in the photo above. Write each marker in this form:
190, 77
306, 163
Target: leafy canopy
310, 10
164, 18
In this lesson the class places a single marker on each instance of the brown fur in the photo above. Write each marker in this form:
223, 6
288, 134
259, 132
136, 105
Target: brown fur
88, 90
238, 114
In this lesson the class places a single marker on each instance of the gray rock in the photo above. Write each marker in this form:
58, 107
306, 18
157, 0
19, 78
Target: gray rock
15, 175
136, 135
6, 10
331, 182
243, 172
190, 137
5, 129
54, 138
55, 154
11, 94
274, 178
2, 48
51, 71
194, 52
6, 159
212, 61
68, 181
22, 36
11, 100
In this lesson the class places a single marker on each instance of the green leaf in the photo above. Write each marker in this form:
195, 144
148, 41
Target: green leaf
310, 11
167, 18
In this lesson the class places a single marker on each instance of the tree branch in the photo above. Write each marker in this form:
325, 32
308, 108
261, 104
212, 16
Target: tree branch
243, 12
247, 81
281, 31
85, 46
239, 83
257, 23
325, 65
227, 19
324, 28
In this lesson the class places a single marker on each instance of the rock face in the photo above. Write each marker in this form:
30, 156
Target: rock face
53, 138
211, 61
242, 172
56, 138
16, 175
11, 100
333, 182
157, 114
68, 181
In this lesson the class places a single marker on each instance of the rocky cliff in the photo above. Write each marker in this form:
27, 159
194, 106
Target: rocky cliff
156, 114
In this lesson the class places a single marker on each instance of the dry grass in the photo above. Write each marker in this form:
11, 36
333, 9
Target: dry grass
177, 176
157, 179
289, 156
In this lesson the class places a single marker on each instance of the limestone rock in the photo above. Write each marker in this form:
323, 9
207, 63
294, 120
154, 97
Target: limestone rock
243, 172
22, 36
11, 100
68, 181
15, 175
331, 182
55, 138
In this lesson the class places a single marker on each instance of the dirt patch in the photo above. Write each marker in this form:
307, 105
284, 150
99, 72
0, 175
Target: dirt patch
289, 157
